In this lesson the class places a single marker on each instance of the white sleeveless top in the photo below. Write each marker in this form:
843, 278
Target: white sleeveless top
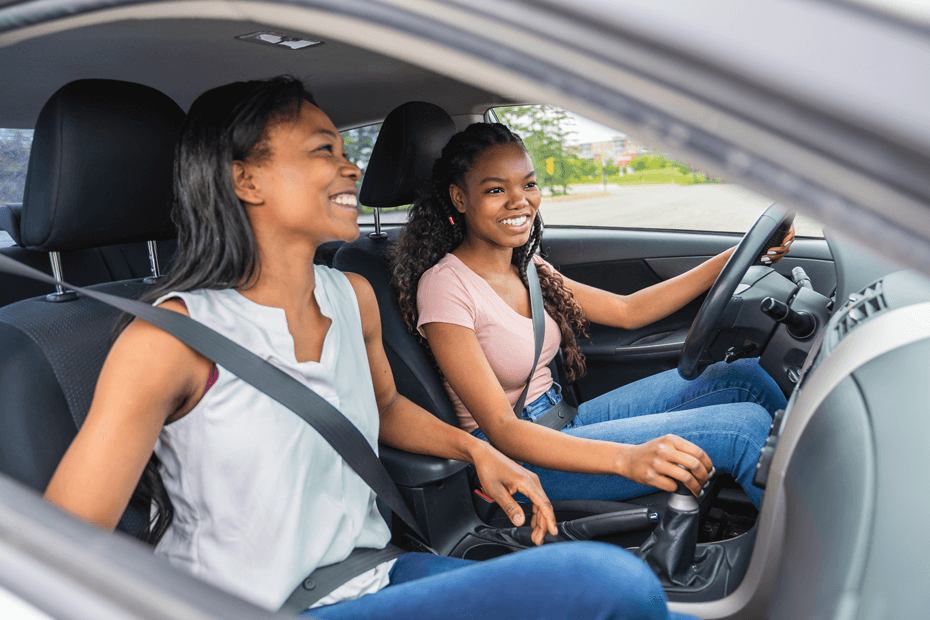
260, 498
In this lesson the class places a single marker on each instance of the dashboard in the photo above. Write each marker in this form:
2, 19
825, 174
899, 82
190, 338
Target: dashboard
841, 530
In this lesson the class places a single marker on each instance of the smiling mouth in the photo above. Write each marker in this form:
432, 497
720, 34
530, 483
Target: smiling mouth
345, 200
520, 220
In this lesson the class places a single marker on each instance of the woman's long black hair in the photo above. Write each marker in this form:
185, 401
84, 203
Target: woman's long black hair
434, 228
216, 247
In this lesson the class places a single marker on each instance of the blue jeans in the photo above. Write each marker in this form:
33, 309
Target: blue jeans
726, 411
566, 580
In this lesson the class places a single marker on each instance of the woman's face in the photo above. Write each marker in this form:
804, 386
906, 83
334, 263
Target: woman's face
500, 197
305, 189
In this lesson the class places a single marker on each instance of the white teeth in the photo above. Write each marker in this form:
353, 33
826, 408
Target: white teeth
347, 200
515, 221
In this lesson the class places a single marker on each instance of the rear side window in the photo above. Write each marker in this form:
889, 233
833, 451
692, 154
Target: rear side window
358, 144
592, 175
14, 157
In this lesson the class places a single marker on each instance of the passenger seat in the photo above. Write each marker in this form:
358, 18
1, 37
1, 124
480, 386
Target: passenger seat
100, 175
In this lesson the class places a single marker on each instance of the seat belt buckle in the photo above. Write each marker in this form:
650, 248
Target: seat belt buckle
485, 507
414, 543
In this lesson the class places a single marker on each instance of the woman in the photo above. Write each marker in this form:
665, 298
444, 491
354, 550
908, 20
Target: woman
460, 271
259, 500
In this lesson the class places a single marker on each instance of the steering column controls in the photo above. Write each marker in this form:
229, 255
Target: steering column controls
800, 324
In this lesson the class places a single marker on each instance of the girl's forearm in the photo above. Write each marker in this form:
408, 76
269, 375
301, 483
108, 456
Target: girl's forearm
526, 442
660, 300
408, 427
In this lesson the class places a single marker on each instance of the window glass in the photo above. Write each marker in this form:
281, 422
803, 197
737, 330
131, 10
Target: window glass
358, 144
14, 157
592, 175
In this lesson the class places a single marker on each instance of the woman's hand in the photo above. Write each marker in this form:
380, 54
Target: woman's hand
777, 253
500, 478
661, 462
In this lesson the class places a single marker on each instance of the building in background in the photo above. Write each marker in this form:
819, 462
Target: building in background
618, 151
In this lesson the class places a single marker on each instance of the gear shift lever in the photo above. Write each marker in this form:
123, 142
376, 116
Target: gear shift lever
669, 550
683, 499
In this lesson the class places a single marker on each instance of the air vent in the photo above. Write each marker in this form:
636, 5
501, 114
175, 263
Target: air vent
860, 307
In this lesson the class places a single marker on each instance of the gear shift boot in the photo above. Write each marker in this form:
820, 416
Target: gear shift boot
670, 549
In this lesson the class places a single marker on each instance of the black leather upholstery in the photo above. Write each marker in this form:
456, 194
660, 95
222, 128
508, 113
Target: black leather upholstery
52, 353
401, 164
87, 139
414, 374
410, 140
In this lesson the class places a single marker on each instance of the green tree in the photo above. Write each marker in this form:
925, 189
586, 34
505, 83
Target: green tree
544, 130
358, 144
651, 161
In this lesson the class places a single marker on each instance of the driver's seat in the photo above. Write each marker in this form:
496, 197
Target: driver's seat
411, 139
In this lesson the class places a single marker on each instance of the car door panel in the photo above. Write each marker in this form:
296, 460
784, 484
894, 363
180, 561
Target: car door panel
624, 261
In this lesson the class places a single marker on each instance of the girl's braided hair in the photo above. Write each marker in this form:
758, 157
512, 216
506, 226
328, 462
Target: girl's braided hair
430, 234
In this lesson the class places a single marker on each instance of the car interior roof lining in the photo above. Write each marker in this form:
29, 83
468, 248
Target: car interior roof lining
196, 54
818, 177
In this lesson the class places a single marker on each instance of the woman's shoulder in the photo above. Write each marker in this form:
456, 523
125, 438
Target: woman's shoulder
204, 303
447, 265
192, 301
546, 265
539, 260
337, 291
448, 275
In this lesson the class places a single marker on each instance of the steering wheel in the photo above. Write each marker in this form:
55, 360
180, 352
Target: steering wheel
692, 362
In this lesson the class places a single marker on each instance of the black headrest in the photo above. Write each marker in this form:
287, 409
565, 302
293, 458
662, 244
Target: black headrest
100, 167
411, 139
9, 220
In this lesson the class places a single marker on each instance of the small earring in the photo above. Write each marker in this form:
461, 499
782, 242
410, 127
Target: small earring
451, 221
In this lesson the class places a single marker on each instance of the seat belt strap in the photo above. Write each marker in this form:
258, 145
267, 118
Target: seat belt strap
328, 421
539, 329
325, 579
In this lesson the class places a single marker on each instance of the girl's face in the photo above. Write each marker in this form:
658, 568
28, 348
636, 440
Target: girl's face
500, 197
305, 189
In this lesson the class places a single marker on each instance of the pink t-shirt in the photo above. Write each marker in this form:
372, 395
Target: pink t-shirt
450, 292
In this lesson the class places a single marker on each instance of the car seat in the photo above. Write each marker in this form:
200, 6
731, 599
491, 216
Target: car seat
100, 174
411, 139
83, 267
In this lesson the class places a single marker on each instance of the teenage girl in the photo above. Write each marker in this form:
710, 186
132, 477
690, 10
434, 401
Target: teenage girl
254, 499
460, 271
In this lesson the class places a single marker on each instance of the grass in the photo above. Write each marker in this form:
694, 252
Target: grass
370, 210
660, 176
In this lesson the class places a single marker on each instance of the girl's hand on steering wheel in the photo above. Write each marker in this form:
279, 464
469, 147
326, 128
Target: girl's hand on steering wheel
777, 253
500, 478
661, 462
